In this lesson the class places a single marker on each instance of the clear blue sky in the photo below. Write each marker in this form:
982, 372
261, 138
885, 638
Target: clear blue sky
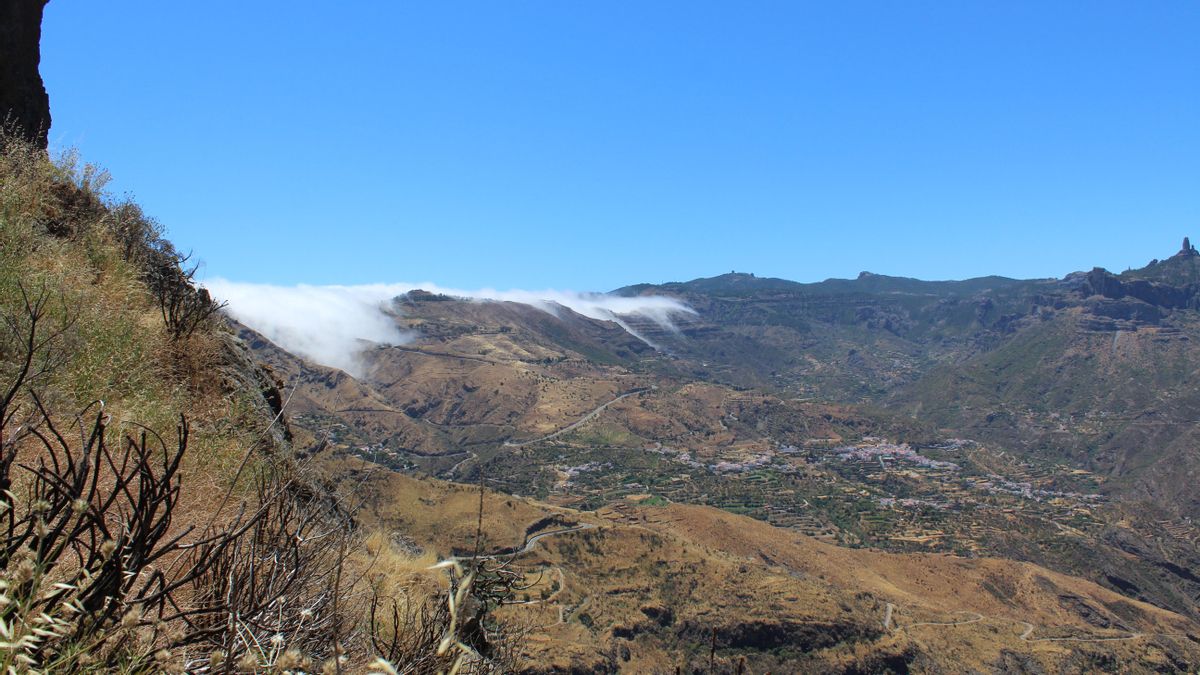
589, 145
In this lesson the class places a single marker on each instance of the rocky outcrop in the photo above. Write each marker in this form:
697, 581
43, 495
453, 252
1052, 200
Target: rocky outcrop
24, 104
240, 373
1188, 250
1104, 283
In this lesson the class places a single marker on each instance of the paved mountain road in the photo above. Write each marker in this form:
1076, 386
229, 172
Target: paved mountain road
578, 423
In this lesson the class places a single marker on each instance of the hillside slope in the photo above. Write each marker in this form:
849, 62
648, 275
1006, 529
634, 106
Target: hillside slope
157, 517
494, 392
647, 588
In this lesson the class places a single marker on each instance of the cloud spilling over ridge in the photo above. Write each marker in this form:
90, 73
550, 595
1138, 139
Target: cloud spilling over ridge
327, 324
331, 325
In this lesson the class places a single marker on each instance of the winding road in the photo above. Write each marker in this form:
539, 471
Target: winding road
977, 619
562, 581
1024, 637
532, 541
890, 608
1029, 628
454, 469
578, 423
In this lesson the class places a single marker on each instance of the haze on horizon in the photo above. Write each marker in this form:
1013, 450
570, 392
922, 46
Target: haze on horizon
592, 147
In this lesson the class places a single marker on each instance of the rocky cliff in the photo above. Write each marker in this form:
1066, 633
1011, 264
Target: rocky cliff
24, 104
1168, 296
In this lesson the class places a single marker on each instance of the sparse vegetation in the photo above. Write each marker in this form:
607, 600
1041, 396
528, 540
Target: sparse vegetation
212, 549
215, 548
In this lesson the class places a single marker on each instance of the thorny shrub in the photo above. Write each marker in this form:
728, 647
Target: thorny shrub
97, 570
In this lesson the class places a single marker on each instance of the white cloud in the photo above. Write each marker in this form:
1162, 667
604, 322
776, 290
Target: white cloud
332, 324
326, 324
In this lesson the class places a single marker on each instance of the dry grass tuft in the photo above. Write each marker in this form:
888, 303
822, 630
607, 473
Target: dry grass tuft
210, 550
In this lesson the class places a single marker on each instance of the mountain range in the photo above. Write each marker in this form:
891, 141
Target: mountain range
730, 474
1047, 422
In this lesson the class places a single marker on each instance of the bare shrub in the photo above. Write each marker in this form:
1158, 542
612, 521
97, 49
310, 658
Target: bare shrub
98, 568
454, 631
184, 306
137, 235
86, 538
95, 572
276, 587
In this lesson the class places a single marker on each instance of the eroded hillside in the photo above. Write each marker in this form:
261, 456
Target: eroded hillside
157, 516
644, 587
756, 405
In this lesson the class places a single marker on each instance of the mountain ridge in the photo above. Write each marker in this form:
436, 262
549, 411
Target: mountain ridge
1024, 378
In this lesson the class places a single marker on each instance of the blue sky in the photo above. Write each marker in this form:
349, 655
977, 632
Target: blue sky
590, 145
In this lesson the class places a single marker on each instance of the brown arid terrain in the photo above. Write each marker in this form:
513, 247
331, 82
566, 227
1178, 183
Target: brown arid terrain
485, 374
569, 411
643, 588
850, 536
854, 476
564, 408
577, 414
489, 375
157, 516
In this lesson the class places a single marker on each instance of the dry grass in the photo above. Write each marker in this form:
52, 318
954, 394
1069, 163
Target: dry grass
605, 593
263, 566
713, 569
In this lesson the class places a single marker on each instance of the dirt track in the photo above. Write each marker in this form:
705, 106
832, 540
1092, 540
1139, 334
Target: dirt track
888, 624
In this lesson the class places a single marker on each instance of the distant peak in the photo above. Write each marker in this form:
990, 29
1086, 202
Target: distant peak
422, 295
1188, 250
739, 275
